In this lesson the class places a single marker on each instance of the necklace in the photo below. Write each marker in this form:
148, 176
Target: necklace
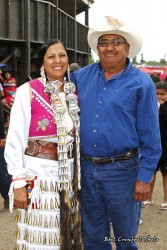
52, 88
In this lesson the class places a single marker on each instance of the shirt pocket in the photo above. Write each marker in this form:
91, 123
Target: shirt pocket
126, 103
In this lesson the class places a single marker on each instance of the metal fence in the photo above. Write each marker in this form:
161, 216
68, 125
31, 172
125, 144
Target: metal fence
45, 21
29, 23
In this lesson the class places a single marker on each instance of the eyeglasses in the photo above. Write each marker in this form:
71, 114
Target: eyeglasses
113, 42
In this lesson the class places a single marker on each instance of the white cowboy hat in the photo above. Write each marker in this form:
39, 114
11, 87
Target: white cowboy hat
112, 25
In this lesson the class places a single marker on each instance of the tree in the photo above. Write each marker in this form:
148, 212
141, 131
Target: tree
134, 60
142, 60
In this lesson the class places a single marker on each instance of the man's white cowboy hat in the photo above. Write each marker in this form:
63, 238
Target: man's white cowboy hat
112, 25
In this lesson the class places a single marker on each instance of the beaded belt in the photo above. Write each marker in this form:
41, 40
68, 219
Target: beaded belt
101, 161
42, 149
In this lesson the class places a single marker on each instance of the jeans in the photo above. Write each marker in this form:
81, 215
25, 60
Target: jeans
5, 178
107, 196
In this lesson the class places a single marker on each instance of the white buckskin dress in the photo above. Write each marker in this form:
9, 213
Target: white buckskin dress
44, 155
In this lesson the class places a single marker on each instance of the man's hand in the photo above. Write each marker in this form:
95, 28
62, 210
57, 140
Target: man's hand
20, 198
142, 191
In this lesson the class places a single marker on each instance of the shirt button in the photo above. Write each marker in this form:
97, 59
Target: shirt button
104, 88
97, 115
94, 130
95, 145
99, 101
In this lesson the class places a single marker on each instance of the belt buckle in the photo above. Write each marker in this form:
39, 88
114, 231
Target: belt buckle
32, 149
35, 148
128, 155
131, 153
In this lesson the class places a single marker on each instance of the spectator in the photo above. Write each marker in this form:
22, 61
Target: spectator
9, 85
161, 90
5, 178
74, 66
1, 91
166, 78
1, 77
155, 77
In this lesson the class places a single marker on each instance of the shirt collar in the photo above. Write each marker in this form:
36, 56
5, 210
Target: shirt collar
125, 71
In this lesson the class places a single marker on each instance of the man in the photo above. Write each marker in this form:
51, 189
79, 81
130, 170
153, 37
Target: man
74, 66
120, 139
5, 178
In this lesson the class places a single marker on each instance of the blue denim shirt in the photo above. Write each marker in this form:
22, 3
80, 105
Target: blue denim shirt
118, 115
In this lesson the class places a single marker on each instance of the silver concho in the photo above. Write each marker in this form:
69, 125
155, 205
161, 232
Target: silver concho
69, 87
52, 87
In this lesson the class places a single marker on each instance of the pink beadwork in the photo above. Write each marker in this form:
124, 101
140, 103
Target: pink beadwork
41, 115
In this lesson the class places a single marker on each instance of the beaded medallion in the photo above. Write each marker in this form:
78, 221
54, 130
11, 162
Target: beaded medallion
52, 88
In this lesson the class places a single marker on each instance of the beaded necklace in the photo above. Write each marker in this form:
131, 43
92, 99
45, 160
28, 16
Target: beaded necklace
52, 89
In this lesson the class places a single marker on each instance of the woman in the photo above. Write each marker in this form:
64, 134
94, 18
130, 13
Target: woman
43, 136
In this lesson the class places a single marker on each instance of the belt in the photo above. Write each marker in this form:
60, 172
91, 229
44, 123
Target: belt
101, 161
42, 149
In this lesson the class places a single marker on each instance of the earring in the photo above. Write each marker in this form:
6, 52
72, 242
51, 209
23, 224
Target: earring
68, 73
42, 73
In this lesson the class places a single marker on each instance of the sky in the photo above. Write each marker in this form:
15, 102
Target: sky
148, 17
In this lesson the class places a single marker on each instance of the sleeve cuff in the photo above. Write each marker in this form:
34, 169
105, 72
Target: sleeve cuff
19, 183
145, 176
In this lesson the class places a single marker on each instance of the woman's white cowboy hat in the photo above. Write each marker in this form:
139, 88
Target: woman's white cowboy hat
112, 25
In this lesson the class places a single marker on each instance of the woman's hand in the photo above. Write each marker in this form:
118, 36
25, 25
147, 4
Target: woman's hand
20, 198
